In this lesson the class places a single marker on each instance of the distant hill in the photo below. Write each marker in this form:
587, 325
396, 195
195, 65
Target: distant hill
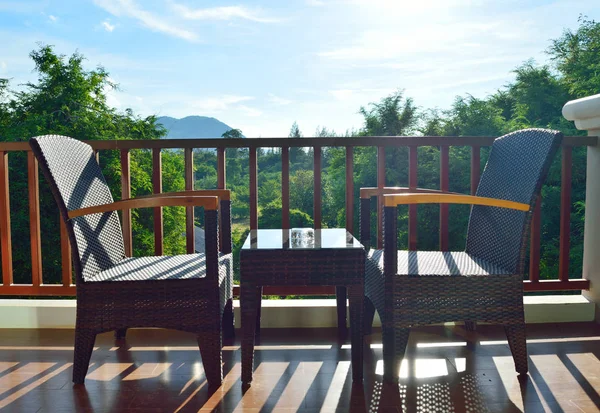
193, 127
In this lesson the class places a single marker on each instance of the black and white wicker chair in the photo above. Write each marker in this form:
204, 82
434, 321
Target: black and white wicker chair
482, 283
186, 292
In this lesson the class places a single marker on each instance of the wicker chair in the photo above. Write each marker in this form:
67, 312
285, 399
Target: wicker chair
483, 283
186, 292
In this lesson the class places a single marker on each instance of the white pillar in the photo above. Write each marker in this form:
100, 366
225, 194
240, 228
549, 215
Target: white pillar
586, 114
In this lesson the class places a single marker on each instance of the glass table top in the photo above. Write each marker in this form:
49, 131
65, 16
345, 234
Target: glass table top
300, 238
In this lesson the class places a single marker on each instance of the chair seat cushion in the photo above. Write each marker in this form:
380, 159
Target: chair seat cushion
177, 267
435, 263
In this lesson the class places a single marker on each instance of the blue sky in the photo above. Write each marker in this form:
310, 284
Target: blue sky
260, 66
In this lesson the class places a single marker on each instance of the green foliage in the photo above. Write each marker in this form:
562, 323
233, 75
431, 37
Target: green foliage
577, 58
232, 134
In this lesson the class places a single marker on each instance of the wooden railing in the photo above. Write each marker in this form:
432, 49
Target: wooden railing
38, 288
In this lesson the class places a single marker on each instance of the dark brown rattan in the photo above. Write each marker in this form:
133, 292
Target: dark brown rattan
198, 300
340, 267
422, 291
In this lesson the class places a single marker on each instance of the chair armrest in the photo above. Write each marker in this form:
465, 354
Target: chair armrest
369, 192
222, 194
445, 198
208, 202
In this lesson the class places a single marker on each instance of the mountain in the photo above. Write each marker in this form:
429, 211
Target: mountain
193, 127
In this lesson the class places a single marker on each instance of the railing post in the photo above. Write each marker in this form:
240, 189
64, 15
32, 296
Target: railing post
586, 114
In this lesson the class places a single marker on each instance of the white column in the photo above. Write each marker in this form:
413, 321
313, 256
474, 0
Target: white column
586, 114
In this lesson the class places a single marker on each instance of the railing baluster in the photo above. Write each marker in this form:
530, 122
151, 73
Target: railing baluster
380, 184
221, 169
34, 219
5, 235
444, 186
125, 194
188, 157
221, 182
565, 213
285, 187
317, 187
412, 209
65, 255
349, 189
534, 244
253, 190
157, 189
475, 168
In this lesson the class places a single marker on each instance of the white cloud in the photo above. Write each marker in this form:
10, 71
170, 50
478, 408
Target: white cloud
53, 18
278, 100
341, 94
3, 67
218, 103
316, 3
248, 111
128, 8
222, 13
107, 26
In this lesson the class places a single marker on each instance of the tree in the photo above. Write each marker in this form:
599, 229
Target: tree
576, 56
232, 134
67, 99
298, 157
392, 116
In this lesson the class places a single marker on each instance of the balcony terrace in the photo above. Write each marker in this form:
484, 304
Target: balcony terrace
446, 368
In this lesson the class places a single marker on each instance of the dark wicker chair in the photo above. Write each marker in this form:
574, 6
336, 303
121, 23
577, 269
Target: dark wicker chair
186, 292
481, 284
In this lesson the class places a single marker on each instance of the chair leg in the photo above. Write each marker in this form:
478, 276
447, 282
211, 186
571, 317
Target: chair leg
84, 344
120, 333
228, 321
395, 341
209, 343
470, 325
368, 316
518, 346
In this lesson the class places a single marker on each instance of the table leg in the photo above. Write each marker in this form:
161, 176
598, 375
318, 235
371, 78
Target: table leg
250, 296
340, 293
356, 298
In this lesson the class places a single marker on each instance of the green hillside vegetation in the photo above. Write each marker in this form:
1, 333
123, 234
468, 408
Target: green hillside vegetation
67, 99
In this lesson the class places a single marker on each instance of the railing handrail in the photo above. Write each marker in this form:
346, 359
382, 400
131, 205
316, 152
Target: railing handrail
380, 143
386, 141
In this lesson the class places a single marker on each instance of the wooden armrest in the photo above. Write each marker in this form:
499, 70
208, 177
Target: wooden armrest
442, 198
366, 193
222, 194
208, 202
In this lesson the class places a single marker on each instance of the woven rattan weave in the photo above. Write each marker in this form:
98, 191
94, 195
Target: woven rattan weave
189, 292
483, 283
267, 258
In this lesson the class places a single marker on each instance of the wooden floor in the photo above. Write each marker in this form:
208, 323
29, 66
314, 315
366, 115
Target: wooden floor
446, 370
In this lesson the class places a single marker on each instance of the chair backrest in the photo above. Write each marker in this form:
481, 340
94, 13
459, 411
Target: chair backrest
515, 171
76, 181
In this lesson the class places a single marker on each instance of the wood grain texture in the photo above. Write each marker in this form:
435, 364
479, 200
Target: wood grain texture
208, 202
444, 187
188, 157
285, 187
35, 237
5, 232
412, 208
413, 199
565, 213
158, 212
534, 242
349, 189
380, 184
126, 194
253, 189
317, 187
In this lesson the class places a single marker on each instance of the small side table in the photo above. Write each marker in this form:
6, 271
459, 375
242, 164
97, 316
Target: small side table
269, 257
